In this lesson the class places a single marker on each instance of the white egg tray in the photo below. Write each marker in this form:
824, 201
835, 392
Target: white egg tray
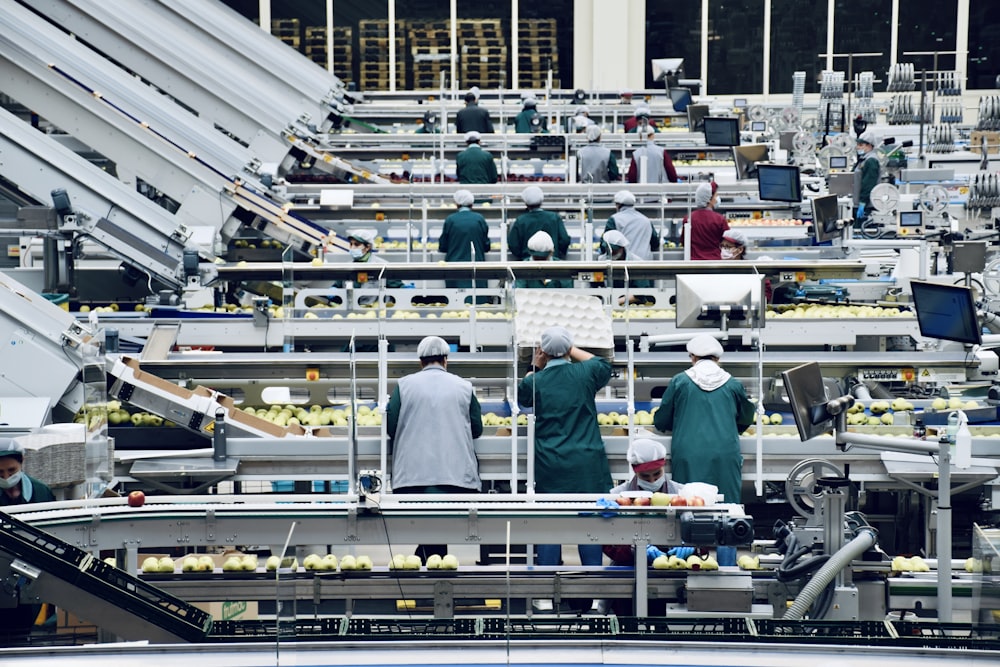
583, 314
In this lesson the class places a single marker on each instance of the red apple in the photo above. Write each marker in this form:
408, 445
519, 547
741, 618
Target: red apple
136, 499
642, 500
696, 501
679, 501
624, 501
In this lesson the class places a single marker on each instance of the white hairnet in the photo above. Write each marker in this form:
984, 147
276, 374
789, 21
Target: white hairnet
641, 111
366, 236
11, 447
735, 236
532, 196
625, 198
433, 346
703, 195
616, 238
645, 450
556, 341
867, 137
593, 132
582, 110
475, 91
705, 345
472, 137
463, 198
540, 243
650, 131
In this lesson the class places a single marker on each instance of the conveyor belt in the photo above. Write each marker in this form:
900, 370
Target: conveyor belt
75, 580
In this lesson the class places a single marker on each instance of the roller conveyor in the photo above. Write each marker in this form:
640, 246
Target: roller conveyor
74, 579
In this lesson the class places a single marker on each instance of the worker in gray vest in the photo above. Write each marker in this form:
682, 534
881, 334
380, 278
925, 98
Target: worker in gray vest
643, 240
596, 163
658, 165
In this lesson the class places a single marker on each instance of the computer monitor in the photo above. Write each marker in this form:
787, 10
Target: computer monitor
722, 131
910, 223
947, 312
696, 117
841, 183
739, 103
808, 399
838, 162
746, 159
758, 126
826, 213
779, 182
786, 140
702, 300
681, 98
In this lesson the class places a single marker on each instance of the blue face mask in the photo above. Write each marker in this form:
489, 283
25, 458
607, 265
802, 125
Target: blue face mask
11, 481
357, 253
649, 486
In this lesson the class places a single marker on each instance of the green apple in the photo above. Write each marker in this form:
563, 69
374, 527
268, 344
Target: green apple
398, 562
939, 403
412, 562
776, 418
434, 562
189, 564
348, 563
329, 562
887, 418
661, 562
364, 563
272, 563
151, 564
449, 562
166, 564
205, 564
249, 563
660, 499
232, 564
312, 562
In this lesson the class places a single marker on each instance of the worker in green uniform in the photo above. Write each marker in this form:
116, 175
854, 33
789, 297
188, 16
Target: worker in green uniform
536, 219
540, 250
867, 173
705, 408
475, 165
18, 488
465, 237
569, 453
522, 121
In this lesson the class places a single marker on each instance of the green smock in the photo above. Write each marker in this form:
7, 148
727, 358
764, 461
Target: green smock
534, 220
475, 166
463, 230
705, 432
569, 452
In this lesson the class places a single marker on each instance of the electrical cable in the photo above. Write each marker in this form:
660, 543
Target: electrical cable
388, 541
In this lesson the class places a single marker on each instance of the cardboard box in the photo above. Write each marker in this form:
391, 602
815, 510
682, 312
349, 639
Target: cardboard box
992, 142
69, 623
253, 423
155, 381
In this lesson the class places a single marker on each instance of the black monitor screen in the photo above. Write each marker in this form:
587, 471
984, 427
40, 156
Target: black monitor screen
681, 98
778, 182
947, 312
722, 131
696, 117
826, 211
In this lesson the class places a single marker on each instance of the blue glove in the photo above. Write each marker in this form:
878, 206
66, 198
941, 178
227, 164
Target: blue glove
605, 504
681, 552
861, 210
652, 553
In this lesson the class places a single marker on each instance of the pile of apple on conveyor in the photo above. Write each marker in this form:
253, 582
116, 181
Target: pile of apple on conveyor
660, 499
881, 412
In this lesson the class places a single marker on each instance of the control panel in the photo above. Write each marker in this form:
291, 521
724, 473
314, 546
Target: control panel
887, 374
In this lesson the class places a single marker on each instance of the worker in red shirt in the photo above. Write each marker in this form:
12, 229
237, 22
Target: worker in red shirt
707, 226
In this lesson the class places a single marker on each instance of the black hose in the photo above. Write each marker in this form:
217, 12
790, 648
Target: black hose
801, 570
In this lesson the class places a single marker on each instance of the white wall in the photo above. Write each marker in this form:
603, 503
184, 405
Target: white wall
609, 44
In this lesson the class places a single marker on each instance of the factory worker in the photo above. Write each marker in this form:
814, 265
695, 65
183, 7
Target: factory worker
523, 121
432, 419
637, 228
705, 408
596, 163
475, 165
540, 249
707, 226
473, 117
465, 237
536, 219
867, 173
614, 245
617, 247
734, 247
580, 120
16, 487
362, 244
659, 166
429, 124
569, 451
639, 120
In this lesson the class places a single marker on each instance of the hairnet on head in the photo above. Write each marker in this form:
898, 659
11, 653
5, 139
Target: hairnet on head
472, 137
646, 454
582, 109
529, 100
366, 236
12, 448
641, 111
705, 345
867, 137
593, 133
433, 346
475, 91
615, 238
532, 196
463, 198
649, 132
556, 341
540, 244
735, 236
703, 195
625, 198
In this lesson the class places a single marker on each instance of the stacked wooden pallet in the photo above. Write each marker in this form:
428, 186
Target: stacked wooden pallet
287, 30
373, 55
482, 53
343, 50
537, 53
430, 52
